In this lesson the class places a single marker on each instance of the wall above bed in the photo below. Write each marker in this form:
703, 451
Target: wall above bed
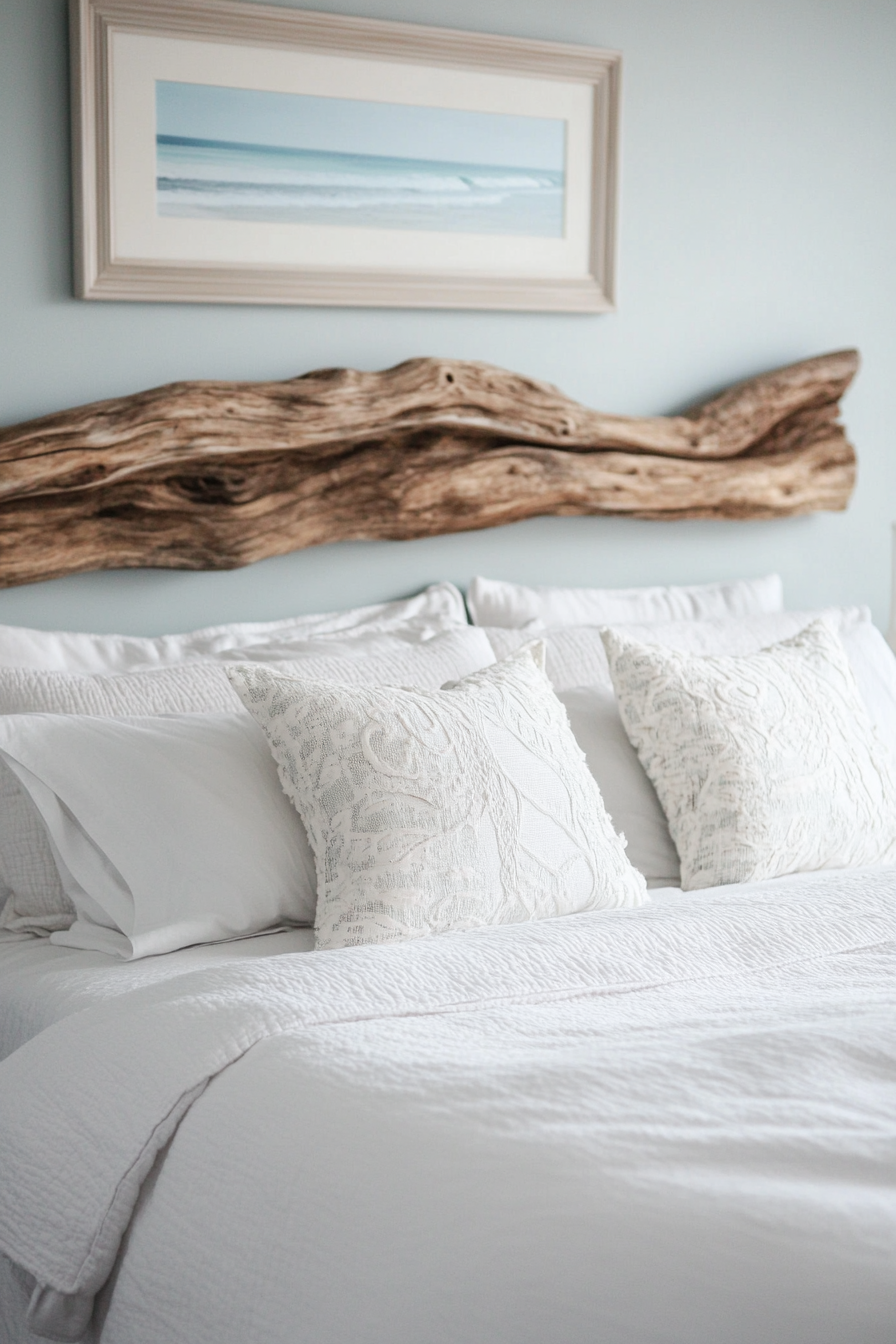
736, 255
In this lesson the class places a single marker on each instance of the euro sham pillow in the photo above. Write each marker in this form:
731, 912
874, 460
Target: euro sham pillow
431, 811
765, 764
516, 606
439, 607
165, 831
203, 687
576, 654
35, 900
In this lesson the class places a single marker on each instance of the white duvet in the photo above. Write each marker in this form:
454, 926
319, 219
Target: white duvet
669, 1124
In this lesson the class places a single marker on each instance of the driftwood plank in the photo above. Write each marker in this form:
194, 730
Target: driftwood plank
214, 475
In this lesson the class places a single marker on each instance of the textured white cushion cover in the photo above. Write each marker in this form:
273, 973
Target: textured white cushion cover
38, 903
765, 764
439, 607
166, 831
514, 605
577, 666
431, 811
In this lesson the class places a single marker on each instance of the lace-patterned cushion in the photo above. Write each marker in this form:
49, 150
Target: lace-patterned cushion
764, 764
437, 810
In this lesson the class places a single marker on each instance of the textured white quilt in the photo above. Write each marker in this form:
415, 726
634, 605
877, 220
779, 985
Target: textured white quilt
676, 1123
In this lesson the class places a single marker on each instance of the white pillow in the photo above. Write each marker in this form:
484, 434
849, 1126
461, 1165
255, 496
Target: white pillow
202, 687
576, 657
436, 810
166, 831
628, 794
37, 902
514, 605
439, 607
765, 764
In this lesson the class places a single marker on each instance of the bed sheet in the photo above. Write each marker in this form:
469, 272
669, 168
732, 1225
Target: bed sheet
41, 983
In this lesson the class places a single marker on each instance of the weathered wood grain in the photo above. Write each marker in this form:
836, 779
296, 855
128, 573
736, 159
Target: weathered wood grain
214, 475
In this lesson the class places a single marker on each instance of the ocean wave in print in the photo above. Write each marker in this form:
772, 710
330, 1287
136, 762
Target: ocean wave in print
207, 179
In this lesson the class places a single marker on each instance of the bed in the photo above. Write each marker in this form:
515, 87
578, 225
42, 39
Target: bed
670, 1121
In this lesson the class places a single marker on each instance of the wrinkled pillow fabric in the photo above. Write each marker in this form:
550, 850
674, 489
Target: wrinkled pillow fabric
765, 764
514, 605
165, 831
441, 810
439, 607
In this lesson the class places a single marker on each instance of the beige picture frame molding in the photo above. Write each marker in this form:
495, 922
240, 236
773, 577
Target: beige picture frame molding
125, 251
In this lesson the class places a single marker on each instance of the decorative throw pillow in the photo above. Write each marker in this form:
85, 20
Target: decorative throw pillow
765, 764
436, 810
577, 667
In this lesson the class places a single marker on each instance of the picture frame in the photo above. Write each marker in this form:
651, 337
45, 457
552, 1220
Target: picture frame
235, 153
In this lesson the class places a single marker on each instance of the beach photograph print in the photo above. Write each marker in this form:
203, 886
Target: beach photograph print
247, 154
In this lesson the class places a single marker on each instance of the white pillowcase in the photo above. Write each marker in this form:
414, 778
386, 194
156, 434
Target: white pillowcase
440, 810
765, 764
628, 794
439, 607
37, 903
166, 831
514, 605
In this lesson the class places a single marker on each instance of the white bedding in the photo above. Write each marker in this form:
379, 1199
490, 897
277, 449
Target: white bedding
40, 983
676, 1123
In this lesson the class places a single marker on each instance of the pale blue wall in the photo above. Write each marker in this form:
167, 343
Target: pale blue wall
758, 226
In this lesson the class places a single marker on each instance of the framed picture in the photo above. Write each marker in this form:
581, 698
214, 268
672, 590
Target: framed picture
237, 153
